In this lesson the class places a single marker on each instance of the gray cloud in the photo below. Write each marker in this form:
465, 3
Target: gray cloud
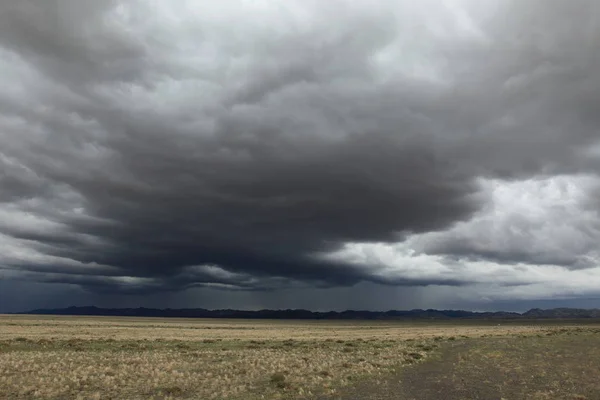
539, 221
232, 146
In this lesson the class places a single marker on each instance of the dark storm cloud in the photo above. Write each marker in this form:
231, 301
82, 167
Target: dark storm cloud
142, 147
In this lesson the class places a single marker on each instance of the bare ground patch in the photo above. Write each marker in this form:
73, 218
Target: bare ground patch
557, 364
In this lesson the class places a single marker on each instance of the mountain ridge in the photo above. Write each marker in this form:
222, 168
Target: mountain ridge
534, 313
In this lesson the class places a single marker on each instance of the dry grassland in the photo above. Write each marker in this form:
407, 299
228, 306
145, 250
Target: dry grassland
145, 358
559, 364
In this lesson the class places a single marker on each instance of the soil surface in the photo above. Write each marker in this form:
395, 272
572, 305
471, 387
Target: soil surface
557, 366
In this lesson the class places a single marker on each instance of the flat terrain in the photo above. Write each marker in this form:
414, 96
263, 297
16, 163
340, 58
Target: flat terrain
560, 364
48, 357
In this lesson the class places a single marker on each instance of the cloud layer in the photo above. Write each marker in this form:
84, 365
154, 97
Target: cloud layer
148, 146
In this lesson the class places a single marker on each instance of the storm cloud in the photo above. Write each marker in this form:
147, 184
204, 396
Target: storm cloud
256, 146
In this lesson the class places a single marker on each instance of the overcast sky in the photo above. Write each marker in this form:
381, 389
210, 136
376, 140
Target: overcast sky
301, 153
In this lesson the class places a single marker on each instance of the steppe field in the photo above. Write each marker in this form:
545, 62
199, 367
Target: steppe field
47, 357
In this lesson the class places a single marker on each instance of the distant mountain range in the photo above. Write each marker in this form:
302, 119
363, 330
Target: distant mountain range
418, 314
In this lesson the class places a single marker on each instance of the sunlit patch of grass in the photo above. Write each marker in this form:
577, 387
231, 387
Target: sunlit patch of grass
70, 368
167, 370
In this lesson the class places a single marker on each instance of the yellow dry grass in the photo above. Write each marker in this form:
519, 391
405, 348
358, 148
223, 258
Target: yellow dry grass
147, 358
126, 328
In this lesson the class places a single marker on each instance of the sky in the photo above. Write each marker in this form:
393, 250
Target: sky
313, 154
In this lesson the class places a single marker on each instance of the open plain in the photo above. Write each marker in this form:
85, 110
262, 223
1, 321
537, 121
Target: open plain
47, 357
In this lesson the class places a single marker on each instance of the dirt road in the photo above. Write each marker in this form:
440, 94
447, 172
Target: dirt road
562, 366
